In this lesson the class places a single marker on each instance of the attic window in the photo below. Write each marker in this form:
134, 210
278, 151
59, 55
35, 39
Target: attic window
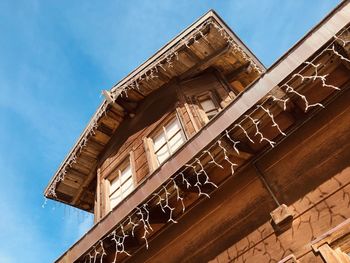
121, 183
208, 106
166, 141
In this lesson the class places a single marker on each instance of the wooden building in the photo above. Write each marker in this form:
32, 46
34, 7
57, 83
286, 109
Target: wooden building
203, 155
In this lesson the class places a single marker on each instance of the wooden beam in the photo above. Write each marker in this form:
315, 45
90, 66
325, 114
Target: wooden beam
98, 197
76, 173
233, 74
192, 56
128, 106
279, 93
205, 63
86, 183
132, 243
344, 52
157, 216
109, 99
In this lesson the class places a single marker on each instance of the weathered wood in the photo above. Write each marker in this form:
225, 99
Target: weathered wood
98, 197
330, 256
111, 102
204, 63
231, 76
88, 180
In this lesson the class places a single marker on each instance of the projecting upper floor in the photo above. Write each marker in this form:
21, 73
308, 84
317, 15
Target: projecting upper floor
148, 116
158, 127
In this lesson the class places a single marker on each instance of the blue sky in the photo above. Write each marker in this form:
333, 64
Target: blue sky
57, 56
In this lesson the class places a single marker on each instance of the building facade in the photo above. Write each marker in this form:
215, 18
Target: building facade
203, 155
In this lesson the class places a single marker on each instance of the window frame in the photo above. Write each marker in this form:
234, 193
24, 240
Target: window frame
161, 128
116, 172
211, 81
201, 112
334, 245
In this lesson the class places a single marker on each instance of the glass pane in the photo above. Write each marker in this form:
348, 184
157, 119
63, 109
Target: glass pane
121, 185
125, 174
176, 142
127, 184
115, 198
158, 141
207, 105
162, 154
115, 183
172, 128
127, 187
127, 191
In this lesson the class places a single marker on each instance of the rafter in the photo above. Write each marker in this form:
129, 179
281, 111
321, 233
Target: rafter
86, 183
234, 73
205, 63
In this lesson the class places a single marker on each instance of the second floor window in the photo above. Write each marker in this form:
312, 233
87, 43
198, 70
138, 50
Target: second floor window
167, 140
208, 106
121, 184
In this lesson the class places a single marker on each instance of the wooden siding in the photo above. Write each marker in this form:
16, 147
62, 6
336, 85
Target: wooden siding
311, 174
169, 100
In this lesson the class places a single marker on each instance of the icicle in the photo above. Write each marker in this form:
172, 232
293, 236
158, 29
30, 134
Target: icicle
233, 141
202, 171
289, 89
212, 159
232, 165
178, 197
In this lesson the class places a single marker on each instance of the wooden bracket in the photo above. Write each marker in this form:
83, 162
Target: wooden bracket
109, 99
281, 218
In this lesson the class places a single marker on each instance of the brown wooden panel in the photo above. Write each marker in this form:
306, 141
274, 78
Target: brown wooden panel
129, 136
319, 150
219, 218
149, 115
262, 244
311, 172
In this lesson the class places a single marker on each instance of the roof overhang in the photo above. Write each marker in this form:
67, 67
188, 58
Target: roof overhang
206, 43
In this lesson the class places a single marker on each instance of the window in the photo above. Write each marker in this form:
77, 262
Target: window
121, 183
334, 246
208, 106
332, 255
167, 141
